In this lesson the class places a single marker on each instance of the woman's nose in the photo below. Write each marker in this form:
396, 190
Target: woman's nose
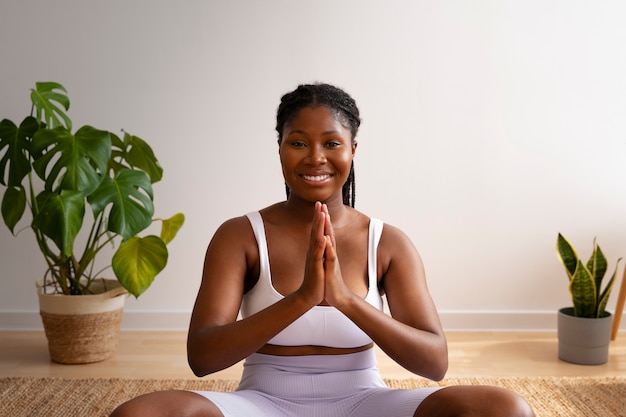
316, 156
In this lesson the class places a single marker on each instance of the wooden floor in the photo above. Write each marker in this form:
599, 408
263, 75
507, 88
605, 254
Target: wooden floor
162, 355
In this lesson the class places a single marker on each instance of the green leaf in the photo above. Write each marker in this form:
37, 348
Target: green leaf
44, 96
597, 265
117, 162
13, 206
130, 196
60, 217
17, 141
567, 255
171, 226
583, 289
604, 297
133, 152
71, 162
140, 155
138, 261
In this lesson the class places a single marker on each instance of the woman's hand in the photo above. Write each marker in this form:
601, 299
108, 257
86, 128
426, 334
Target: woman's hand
322, 276
335, 291
312, 287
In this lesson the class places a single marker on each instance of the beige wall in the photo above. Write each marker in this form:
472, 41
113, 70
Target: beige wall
488, 127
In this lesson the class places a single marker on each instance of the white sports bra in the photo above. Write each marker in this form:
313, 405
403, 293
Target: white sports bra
322, 325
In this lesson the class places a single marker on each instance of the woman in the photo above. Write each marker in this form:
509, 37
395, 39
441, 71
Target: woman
307, 275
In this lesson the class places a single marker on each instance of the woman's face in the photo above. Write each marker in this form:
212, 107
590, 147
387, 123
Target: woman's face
316, 153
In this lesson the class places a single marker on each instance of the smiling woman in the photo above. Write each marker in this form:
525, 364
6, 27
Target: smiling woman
316, 154
307, 275
322, 99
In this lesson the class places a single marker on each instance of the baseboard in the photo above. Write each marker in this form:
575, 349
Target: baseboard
131, 320
493, 320
453, 320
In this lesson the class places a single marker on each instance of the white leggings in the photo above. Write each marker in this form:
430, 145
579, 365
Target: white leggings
316, 386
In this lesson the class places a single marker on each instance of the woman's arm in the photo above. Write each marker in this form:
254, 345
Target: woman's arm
216, 340
413, 335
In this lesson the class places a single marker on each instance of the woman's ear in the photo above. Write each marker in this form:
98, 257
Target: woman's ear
354, 145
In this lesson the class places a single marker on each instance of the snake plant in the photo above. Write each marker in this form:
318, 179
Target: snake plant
57, 174
585, 280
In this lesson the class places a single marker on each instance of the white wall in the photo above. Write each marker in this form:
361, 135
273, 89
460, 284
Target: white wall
488, 127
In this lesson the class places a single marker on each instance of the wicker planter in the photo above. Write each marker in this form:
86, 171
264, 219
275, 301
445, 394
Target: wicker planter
584, 341
83, 328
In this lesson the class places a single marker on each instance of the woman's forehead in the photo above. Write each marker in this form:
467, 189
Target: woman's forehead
318, 116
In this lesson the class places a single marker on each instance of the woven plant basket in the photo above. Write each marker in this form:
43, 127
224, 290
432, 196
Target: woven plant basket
83, 328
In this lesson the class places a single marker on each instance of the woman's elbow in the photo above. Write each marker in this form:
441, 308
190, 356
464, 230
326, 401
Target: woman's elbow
439, 370
197, 370
203, 367
440, 362
435, 365
204, 363
199, 362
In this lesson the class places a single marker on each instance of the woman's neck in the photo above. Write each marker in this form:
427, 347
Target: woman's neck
303, 210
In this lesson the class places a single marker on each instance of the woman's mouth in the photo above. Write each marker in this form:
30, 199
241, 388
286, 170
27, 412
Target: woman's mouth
316, 178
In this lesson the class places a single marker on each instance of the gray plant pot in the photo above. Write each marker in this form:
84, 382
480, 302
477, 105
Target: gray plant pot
582, 340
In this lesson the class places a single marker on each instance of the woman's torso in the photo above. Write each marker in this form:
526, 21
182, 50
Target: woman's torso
282, 249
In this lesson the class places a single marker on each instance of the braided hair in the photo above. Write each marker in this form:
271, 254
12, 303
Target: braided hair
339, 102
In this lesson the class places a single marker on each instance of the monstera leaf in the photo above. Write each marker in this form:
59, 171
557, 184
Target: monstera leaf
15, 141
134, 152
13, 206
130, 197
138, 261
51, 102
171, 226
71, 161
60, 217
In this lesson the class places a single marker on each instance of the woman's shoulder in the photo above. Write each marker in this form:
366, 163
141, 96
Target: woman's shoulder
396, 248
242, 223
235, 232
234, 225
390, 231
394, 240
240, 228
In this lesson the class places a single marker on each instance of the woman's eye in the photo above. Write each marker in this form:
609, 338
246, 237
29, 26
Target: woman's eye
333, 144
298, 144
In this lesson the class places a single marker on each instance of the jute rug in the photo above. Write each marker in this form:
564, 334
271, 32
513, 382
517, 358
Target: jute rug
64, 397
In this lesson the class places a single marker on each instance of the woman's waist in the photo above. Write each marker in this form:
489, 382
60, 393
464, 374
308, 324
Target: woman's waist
310, 350
313, 359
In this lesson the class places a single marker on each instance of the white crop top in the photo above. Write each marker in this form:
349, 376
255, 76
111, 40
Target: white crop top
322, 325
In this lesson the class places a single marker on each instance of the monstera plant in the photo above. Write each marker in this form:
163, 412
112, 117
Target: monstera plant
84, 190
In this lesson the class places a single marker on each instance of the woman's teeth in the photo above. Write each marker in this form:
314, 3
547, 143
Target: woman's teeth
315, 177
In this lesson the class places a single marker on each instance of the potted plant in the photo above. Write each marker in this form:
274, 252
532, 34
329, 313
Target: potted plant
85, 191
584, 330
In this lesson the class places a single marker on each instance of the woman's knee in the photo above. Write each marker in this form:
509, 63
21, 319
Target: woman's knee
469, 401
168, 404
515, 403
